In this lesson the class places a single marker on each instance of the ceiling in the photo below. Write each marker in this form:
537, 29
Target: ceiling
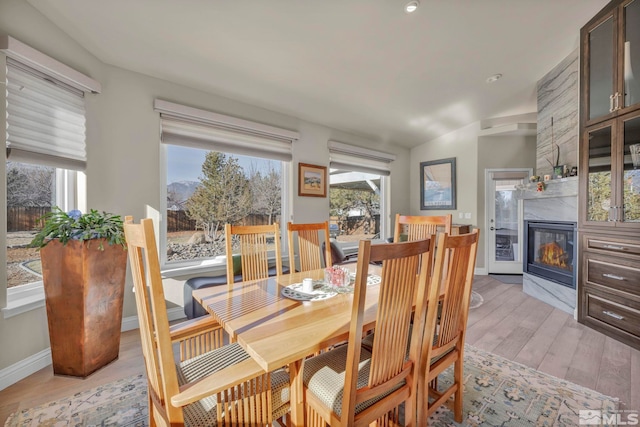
361, 66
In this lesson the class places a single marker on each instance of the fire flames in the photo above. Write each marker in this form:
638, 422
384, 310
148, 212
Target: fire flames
553, 255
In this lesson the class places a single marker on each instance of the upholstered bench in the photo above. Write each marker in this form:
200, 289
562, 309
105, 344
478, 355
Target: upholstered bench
192, 308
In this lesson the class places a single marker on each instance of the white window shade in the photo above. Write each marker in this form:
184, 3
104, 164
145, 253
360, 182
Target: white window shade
45, 119
203, 129
350, 157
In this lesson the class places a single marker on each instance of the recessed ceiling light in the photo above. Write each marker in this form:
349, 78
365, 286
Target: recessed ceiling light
494, 78
412, 6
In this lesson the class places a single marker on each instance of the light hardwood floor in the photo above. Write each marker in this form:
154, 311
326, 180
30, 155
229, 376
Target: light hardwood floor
508, 323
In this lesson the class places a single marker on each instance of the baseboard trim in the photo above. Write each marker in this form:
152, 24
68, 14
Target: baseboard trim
32, 364
481, 271
24, 368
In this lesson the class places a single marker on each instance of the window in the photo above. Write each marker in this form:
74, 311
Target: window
32, 190
206, 190
45, 143
219, 170
357, 183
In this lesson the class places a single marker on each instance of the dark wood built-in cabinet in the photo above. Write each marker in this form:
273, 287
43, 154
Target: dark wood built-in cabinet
609, 197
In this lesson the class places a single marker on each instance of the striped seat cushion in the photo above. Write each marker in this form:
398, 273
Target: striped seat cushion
324, 376
203, 412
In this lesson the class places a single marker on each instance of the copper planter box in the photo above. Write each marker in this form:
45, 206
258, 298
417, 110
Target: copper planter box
84, 291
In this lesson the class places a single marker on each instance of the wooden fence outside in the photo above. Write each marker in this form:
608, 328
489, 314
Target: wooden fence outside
25, 218
180, 221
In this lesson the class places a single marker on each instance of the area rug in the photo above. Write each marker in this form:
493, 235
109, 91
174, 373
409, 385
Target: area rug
120, 403
476, 300
497, 392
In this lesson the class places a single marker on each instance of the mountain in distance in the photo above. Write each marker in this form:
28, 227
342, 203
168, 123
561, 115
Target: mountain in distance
182, 190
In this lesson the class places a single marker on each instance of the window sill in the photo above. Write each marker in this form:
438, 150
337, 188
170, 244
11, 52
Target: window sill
23, 299
191, 270
212, 267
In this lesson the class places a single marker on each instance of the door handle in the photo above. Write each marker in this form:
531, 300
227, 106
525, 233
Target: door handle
611, 109
491, 228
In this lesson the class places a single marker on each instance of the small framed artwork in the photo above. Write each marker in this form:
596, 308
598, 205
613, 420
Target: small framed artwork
312, 180
438, 184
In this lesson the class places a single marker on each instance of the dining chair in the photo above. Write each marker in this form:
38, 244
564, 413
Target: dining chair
206, 386
254, 244
416, 227
352, 386
444, 343
310, 239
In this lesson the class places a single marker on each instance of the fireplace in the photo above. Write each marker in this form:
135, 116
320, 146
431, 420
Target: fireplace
550, 251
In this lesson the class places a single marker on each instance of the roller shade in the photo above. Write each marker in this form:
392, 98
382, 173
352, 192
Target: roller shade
45, 119
359, 159
191, 127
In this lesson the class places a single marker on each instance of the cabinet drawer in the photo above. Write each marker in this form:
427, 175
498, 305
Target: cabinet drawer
614, 247
613, 314
615, 276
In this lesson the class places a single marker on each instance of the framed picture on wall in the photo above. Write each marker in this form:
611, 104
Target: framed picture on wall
438, 184
312, 180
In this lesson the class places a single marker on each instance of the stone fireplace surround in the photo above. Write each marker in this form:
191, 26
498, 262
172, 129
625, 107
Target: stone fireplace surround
559, 202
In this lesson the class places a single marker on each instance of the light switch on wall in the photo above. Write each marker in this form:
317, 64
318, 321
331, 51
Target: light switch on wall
460, 215
467, 215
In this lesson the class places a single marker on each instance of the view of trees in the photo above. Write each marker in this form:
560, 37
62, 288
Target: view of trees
344, 201
599, 196
632, 195
227, 193
266, 192
223, 196
29, 185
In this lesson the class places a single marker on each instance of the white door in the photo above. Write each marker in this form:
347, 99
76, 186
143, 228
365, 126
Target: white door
504, 219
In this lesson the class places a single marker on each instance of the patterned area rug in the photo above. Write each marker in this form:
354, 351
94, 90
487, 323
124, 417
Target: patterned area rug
120, 403
497, 392
476, 300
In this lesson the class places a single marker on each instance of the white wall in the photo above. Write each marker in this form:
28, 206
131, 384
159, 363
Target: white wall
123, 149
463, 145
473, 155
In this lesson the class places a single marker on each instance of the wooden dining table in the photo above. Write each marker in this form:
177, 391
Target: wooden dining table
278, 331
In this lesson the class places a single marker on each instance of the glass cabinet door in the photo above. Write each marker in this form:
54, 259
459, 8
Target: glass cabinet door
631, 53
599, 188
631, 164
601, 69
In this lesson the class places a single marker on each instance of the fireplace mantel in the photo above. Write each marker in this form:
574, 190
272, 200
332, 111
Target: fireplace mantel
564, 187
559, 202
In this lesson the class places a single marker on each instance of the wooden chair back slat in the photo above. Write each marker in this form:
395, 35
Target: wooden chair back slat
417, 227
457, 285
152, 314
310, 254
241, 390
443, 343
254, 246
405, 279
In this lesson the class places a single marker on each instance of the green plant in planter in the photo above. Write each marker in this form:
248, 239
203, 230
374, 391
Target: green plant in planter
74, 225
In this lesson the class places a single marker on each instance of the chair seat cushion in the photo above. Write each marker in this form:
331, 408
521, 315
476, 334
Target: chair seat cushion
203, 412
324, 376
